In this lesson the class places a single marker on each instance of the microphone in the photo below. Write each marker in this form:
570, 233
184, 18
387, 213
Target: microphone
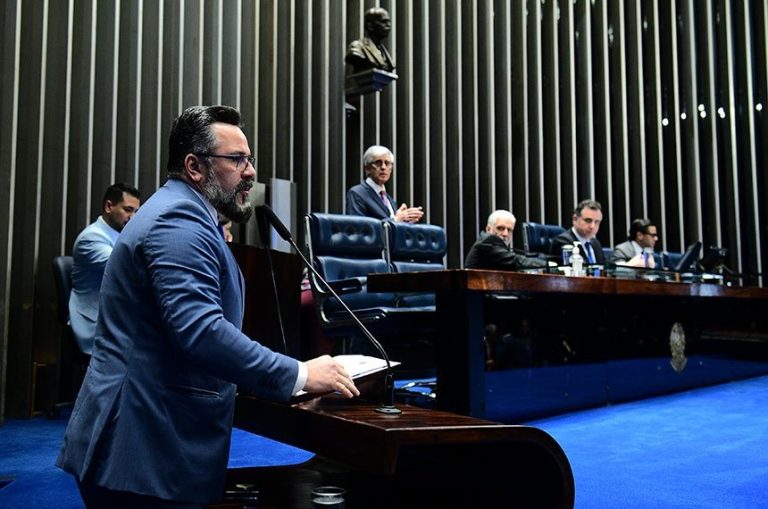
388, 406
275, 222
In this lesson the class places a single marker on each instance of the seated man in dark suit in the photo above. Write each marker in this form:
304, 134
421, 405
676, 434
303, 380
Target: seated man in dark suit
492, 250
587, 217
637, 251
370, 198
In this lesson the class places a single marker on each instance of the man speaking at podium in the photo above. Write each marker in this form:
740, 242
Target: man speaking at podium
151, 426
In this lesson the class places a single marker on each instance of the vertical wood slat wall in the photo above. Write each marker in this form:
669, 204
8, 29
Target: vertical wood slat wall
654, 107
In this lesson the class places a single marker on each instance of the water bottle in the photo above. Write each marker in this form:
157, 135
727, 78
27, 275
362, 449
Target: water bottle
567, 251
577, 261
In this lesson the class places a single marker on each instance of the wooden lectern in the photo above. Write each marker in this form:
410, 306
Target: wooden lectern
419, 458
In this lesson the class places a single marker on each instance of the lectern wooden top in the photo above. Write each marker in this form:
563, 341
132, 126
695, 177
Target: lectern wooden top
479, 460
354, 433
517, 282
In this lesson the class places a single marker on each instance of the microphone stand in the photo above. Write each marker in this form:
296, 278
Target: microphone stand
388, 406
263, 227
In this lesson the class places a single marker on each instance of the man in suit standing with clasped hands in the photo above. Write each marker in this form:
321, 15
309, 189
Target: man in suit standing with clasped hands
152, 423
370, 198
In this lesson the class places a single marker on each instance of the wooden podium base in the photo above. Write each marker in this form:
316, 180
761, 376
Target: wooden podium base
419, 458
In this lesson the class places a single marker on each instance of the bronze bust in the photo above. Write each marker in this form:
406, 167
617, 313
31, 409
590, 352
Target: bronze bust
370, 52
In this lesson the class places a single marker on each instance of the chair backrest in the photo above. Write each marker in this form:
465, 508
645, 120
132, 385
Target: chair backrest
414, 247
538, 237
344, 247
658, 259
670, 259
62, 276
683, 262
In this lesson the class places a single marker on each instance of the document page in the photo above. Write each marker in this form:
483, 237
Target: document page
359, 367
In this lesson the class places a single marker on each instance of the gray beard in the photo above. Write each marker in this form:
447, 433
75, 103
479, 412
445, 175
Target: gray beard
226, 203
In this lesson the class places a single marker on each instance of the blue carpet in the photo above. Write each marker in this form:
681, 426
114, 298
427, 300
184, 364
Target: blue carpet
706, 448
28, 450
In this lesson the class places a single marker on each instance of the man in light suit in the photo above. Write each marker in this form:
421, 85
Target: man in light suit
90, 254
152, 423
587, 217
637, 250
370, 198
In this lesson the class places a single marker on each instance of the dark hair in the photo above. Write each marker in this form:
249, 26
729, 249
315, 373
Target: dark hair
115, 192
587, 204
639, 226
191, 133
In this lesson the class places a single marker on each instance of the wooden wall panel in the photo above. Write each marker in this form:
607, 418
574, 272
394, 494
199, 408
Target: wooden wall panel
655, 108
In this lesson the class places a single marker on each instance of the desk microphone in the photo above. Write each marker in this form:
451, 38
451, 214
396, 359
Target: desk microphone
388, 406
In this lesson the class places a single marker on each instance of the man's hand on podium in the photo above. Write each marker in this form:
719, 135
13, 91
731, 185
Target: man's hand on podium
324, 375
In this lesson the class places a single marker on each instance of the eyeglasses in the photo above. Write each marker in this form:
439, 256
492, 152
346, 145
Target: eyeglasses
378, 163
651, 234
239, 159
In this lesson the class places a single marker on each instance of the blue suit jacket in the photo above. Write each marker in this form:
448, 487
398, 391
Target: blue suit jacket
154, 415
90, 254
362, 200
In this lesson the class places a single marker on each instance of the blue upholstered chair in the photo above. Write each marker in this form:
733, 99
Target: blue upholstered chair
345, 249
412, 248
538, 237
670, 260
683, 262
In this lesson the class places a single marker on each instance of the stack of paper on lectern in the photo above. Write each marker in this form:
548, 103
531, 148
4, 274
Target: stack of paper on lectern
360, 369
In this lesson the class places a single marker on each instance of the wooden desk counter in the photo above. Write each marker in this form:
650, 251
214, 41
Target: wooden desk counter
419, 448
517, 282
606, 305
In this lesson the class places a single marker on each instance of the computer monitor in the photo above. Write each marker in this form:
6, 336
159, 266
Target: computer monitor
689, 258
713, 259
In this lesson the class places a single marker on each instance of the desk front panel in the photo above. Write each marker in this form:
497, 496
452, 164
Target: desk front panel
556, 344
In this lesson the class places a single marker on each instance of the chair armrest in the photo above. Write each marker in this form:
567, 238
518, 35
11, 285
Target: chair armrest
351, 285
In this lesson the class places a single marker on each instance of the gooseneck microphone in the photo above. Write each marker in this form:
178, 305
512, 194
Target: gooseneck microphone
388, 406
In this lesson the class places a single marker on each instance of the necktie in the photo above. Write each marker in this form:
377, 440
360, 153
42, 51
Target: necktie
590, 252
383, 195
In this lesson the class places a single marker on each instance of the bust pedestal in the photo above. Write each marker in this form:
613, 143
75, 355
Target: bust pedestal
365, 82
